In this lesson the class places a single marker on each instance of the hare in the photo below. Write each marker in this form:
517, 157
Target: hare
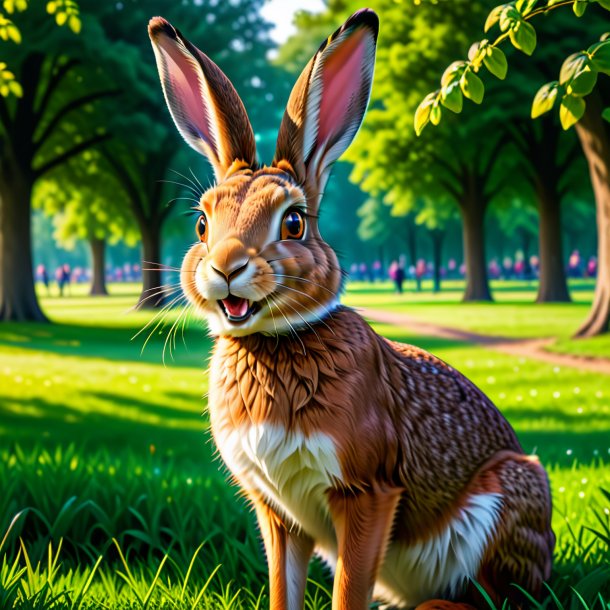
380, 457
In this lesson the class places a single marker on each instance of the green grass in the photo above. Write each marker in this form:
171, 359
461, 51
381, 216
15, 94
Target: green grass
99, 442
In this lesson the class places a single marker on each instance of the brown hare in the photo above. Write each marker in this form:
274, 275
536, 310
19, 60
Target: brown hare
378, 456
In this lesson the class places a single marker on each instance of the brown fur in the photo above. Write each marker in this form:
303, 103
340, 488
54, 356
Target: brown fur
414, 439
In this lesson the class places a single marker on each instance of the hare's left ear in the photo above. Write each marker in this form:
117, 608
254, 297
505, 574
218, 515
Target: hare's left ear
328, 102
207, 111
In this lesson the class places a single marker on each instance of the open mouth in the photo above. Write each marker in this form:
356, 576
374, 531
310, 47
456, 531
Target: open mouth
238, 310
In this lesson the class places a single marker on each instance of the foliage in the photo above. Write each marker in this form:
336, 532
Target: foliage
65, 11
577, 77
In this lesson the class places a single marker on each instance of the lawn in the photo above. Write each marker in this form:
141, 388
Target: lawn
106, 451
513, 313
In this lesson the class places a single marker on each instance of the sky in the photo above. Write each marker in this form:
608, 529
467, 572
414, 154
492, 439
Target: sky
280, 12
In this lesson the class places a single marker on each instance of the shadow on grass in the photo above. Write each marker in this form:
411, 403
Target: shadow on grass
126, 422
107, 342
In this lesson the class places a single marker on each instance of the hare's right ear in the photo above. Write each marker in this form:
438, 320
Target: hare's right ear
328, 102
207, 111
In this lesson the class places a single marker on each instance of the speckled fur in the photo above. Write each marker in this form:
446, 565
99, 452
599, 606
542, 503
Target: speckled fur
384, 459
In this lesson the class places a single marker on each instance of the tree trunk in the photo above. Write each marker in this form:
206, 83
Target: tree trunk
595, 141
553, 286
473, 223
98, 260
437, 237
152, 295
18, 301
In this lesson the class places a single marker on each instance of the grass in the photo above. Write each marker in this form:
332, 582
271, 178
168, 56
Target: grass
104, 452
513, 314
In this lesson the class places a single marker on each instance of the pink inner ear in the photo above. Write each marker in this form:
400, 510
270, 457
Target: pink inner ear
184, 86
341, 82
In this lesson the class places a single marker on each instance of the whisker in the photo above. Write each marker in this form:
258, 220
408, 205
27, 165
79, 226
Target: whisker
197, 180
277, 336
306, 322
165, 311
308, 296
302, 279
197, 189
184, 186
293, 331
163, 290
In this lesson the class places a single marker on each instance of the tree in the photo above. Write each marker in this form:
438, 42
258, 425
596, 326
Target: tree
60, 78
86, 204
577, 80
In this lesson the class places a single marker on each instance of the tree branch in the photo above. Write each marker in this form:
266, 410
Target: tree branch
450, 188
453, 171
68, 154
501, 142
73, 105
52, 85
129, 185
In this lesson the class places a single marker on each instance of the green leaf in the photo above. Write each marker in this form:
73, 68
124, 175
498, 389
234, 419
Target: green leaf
571, 110
422, 114
525, 6
606, 114
523, 37
51, 7
435, 114
495, 62
15, 88
544, 100
572, 65
451, 97
453, 73
582, 84
509, 18
579, 7
600, 56
472, 86
604, 4
493, 17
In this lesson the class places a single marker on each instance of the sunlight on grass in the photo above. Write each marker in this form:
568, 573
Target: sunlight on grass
101, 442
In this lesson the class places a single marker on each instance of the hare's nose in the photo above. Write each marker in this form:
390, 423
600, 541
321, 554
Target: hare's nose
233, 271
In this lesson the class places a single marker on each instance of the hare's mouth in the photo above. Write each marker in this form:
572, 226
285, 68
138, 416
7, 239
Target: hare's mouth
237, 309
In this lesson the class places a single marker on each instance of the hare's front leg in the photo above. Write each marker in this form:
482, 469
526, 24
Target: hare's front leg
363, 522
288, 554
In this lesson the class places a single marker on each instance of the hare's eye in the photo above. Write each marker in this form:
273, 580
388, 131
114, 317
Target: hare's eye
293, 225
202, 228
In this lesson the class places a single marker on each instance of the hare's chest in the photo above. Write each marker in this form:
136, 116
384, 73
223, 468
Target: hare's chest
292, 470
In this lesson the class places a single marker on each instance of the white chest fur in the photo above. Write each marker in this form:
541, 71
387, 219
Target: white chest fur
292, 470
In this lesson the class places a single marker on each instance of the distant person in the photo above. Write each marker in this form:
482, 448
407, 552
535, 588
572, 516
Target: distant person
399, 278
66, 274
43, 276
494, 269
592, 267
377, 272
575, 265
420, 271
452, 270
507, 268
364, 272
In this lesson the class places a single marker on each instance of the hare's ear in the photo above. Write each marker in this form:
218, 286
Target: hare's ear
207, 111
328, 101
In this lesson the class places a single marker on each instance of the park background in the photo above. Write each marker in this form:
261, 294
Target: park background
111, 493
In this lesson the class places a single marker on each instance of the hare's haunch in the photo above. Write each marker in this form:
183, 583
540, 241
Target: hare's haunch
378, 456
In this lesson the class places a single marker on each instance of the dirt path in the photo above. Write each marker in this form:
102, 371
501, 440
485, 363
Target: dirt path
528, 348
